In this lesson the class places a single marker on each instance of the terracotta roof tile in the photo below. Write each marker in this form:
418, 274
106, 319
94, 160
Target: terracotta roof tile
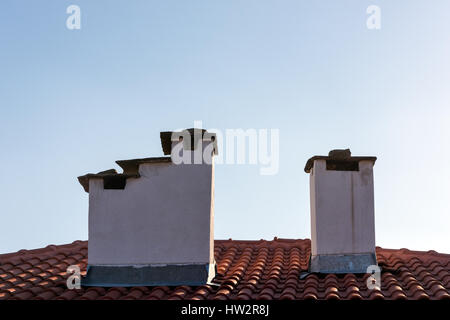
245, 270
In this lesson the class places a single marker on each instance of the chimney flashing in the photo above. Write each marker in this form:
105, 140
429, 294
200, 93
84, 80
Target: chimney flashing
149, 275
342, 263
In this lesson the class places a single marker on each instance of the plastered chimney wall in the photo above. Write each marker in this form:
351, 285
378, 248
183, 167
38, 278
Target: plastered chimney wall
153, 224
342, 212
165, 216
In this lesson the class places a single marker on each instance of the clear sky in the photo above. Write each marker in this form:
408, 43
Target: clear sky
74, 101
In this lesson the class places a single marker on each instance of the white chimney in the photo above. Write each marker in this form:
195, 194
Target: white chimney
342, 213
153, 223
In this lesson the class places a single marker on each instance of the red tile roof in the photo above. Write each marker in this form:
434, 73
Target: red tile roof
246, 270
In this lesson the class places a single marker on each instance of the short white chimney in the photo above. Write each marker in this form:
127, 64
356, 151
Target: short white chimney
342, 213
153, 223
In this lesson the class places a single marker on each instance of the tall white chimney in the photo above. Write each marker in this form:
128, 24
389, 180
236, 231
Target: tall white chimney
153, 223
342, 213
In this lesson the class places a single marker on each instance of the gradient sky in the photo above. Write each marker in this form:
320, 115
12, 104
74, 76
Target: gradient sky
73, 102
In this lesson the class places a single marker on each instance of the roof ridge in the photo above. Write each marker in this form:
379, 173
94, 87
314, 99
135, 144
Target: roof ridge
415, 252
49, 248
275, 239
58, 248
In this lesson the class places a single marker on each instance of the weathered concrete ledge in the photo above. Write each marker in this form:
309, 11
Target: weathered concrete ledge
114, 180
132, 166
341, 160
111, 179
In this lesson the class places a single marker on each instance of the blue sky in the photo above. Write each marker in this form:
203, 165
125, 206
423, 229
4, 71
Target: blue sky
74, 101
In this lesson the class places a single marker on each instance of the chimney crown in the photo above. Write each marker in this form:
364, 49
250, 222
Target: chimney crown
190, 138
339, 159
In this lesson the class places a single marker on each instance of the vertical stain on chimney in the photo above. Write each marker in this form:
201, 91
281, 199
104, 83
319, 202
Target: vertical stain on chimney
365, 176
353, 213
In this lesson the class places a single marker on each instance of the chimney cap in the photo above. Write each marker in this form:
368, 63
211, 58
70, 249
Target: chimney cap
131, 166
166, 138
341, 155
114, 180
111, 179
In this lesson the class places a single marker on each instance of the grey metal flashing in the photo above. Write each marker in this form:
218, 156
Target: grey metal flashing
149, 275
342, 263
